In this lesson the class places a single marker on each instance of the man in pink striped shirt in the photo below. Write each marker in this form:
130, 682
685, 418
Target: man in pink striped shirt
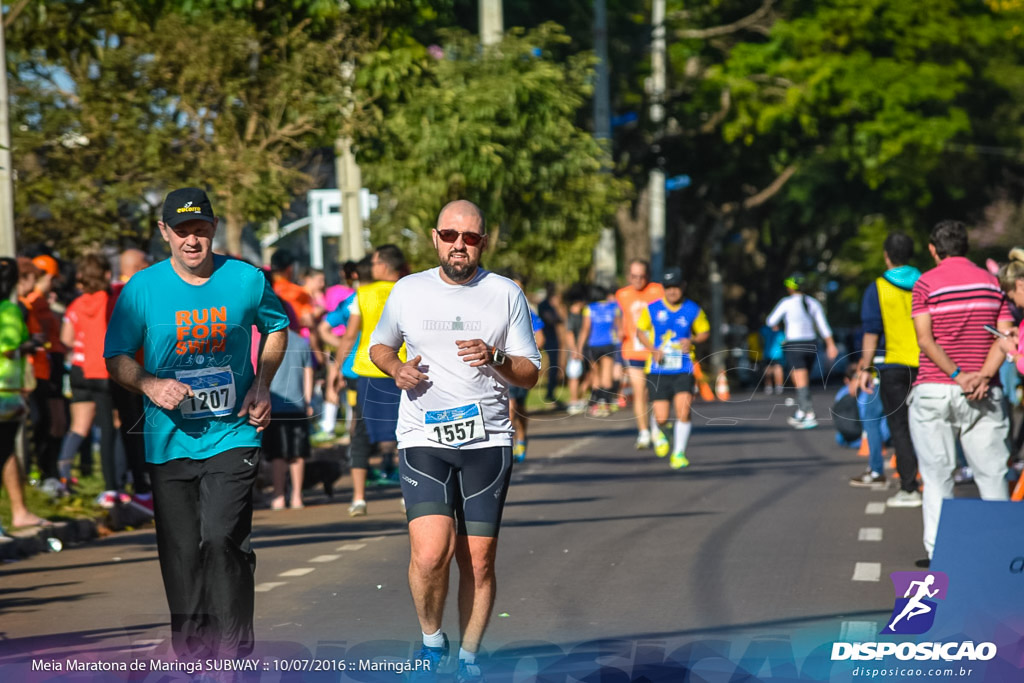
957, 393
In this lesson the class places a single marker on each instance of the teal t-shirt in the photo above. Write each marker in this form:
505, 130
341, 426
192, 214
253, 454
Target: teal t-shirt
200, 335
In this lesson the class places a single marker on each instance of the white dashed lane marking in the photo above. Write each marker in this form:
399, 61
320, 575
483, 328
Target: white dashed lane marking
351, 546
858, 631
869, 534
867, 571
267, 587
874, 509
301, 571
325, 558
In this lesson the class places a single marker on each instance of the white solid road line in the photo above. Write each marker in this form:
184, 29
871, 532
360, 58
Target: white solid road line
867, 571
301, 571
869, 534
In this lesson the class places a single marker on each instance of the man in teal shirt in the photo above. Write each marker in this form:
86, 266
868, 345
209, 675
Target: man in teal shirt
192, 316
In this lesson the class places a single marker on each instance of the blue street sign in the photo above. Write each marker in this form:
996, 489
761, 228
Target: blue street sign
677, 182
623, 119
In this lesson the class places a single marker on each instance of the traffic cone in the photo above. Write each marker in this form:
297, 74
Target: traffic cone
702, 383
864, 450
722, 387
1018, 491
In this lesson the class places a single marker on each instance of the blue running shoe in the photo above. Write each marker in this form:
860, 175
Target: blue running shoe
468, 673
428, 662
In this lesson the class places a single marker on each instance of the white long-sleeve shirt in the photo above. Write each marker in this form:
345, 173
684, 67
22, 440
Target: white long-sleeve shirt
801, 315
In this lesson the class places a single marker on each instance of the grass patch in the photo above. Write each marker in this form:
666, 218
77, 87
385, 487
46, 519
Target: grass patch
81, 504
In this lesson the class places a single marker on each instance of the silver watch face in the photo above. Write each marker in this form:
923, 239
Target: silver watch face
499, 357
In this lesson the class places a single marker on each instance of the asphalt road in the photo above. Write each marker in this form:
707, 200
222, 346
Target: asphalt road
607, 558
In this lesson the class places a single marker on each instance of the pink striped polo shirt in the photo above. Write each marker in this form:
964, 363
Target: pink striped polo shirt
961, 298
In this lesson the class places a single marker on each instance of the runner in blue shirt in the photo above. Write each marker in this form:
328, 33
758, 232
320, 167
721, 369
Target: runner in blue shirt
669, 328
598, 338
193, 316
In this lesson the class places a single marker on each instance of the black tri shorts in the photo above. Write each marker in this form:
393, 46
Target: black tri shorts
665, 387
468, 485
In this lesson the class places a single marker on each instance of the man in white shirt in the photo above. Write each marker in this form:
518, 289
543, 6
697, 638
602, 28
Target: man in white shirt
468, 336
804, 319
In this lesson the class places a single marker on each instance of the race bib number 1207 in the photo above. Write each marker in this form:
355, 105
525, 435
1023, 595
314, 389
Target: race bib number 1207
455, 426
213, 392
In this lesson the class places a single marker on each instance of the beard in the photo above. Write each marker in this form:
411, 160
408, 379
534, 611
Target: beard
458, 272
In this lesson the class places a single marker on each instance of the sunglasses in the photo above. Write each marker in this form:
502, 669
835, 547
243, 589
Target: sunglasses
471, 239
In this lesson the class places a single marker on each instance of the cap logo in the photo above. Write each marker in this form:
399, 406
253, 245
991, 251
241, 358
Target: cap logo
188, 208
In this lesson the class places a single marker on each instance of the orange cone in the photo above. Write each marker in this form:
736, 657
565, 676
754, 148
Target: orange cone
1018, 491
702, 384
722, 387
864, 450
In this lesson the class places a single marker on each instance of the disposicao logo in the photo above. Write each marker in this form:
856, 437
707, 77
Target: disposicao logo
914, 614
916, 592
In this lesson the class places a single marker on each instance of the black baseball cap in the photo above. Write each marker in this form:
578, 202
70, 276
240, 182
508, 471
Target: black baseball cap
673, 277
187, 204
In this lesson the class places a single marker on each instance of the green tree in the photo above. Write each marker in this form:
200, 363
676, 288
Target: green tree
498, 127
114, 103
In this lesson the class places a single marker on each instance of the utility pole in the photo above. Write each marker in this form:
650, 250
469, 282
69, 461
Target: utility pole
492, 23
656, 179
604, 252
718, 359
7, 242
350, 181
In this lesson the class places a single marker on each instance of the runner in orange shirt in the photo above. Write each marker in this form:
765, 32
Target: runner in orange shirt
633, 300
296, 296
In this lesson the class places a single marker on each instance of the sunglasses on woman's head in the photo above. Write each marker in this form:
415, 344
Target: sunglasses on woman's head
471, 239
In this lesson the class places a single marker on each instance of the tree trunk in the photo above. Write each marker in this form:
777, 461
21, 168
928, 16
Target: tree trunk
233, 225
633, 229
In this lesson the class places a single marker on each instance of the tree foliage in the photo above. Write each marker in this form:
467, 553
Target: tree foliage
114, 104
498, 127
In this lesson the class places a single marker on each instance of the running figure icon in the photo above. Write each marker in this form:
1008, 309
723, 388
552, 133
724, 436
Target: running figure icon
915, 606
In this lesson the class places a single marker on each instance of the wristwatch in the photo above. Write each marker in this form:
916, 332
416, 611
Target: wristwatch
497, 357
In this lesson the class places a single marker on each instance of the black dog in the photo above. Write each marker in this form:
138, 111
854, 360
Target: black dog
322, 471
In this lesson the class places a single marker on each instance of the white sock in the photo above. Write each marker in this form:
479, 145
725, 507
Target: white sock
434, 639
645, 434
466, 656
682, 436
329, 420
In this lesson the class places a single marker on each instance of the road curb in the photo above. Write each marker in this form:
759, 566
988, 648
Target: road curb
21, 544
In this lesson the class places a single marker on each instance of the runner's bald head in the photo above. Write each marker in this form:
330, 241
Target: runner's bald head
461, 208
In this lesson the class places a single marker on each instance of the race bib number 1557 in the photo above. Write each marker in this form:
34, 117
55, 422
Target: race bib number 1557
455, 426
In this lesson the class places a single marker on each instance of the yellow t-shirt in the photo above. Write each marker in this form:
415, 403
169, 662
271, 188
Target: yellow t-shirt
371, 299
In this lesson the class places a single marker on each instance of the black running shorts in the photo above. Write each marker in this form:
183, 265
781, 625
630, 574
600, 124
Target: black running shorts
468, 485
800, 355
665, 387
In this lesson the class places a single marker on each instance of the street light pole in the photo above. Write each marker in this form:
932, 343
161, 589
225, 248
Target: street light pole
7, 241
656, 179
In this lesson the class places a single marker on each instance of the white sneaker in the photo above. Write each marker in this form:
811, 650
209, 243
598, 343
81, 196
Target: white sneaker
808, 421
905, 499
796, 419
643, 440
576, 408
357, 509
